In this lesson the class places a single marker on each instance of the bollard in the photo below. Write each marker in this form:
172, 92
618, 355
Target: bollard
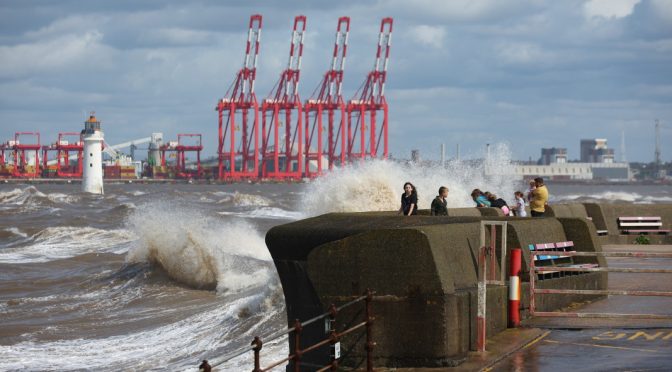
514, 288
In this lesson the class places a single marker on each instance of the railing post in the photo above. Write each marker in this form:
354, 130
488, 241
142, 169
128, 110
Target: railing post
492, 252
257, 348
482, 291
297, 345
333, 338
369, 336
514, 288
533, 278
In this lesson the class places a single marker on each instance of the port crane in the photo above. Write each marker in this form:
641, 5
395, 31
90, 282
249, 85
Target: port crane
368, 101
327, 98
284, 100
239, 160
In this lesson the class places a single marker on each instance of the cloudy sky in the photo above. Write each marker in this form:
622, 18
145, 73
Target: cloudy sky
530, 73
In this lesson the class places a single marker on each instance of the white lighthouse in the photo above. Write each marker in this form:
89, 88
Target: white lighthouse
92, 178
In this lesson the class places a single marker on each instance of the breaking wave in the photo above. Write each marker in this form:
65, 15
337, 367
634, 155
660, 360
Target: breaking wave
199, 250
377, 185
32, 197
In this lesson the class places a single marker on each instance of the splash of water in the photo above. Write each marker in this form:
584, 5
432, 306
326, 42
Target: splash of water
197, 249
377, 185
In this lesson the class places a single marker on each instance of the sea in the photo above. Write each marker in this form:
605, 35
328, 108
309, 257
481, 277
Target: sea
162, 276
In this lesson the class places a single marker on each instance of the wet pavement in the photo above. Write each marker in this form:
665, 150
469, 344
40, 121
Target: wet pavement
594, 350
584, 344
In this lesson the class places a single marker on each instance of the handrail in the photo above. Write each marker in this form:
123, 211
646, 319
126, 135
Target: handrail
333, 338
533, 270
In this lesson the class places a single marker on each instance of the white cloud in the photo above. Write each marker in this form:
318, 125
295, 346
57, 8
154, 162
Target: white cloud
176, 36
62, 52
609, 8
428, 35
521, 53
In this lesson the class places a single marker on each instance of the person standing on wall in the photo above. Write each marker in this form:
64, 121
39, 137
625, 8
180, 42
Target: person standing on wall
539, 198
439, 204
409, 200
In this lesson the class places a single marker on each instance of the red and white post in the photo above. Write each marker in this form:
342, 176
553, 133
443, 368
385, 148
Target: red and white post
514, 288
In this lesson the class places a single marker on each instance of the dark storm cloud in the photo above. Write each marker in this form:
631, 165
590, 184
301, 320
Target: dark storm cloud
529, 72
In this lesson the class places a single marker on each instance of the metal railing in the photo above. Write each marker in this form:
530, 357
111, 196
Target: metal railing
577, 268
487, 269
333, 339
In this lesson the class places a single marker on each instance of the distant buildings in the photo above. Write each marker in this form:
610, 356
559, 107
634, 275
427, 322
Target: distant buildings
596, 151
596, 163
554, 155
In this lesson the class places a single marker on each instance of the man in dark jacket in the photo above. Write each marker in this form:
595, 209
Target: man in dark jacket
439, 204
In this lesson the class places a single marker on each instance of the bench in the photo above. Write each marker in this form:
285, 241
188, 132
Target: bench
555, 257
641, 225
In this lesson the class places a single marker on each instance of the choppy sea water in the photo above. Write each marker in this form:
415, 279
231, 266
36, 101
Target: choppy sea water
163, 276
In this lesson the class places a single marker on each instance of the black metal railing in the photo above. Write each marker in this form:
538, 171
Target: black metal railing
332, 339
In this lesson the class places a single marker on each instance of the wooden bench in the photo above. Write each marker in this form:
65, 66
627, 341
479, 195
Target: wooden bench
555, 257
641, 225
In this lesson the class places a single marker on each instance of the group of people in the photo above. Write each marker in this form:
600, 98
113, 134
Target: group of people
537, 196
409, 201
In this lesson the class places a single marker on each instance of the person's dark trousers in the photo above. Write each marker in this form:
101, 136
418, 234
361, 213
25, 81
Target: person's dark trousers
537, 214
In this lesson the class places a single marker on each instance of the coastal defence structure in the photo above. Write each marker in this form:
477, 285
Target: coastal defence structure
424, 272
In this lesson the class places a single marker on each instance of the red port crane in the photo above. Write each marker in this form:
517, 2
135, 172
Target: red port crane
63, 148
240, 100
328, 99
21, 166
182, 148
284, 97
369, 99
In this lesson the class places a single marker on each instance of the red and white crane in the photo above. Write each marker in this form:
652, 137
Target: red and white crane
239, 141
284, 159
328, 99
181, 147
22, 164
368, 100
67, 143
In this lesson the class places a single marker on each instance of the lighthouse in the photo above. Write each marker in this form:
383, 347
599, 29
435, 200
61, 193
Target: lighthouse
92, 177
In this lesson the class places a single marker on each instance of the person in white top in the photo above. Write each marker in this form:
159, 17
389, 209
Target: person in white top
520, 204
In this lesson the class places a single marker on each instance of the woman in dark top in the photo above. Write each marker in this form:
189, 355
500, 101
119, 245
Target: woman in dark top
409, 200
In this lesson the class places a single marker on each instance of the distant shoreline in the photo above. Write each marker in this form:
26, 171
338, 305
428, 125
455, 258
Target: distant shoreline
63, 181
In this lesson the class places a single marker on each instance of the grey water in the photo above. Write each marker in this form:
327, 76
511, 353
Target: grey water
163, 276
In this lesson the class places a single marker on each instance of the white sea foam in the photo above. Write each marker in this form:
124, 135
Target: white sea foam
186, 339
197, 249
247, 200
63, 198
54, 243
16, 231
377, 185
266, 212
19, 196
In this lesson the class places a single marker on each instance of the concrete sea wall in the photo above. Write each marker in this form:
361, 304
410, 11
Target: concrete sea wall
424, 272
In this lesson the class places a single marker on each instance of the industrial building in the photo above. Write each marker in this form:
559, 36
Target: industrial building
596, 151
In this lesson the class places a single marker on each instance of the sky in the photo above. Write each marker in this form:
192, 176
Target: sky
529, 73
